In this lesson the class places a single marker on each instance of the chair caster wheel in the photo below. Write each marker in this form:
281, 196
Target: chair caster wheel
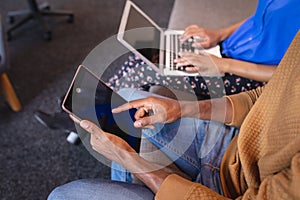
48, 36
73, 138
70, 18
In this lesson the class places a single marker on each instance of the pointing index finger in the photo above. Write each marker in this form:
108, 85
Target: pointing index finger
128, 106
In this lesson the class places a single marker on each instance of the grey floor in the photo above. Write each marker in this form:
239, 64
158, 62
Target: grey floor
35, 159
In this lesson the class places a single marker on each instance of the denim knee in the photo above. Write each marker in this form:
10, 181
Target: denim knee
57, 194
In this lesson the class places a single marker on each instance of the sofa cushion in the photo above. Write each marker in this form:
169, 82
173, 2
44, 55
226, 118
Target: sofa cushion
210, 13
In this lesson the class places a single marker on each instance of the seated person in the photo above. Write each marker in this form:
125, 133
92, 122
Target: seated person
247, 64
249, 59
261, 162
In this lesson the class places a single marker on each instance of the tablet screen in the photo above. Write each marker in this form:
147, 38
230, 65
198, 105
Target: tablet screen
90, 98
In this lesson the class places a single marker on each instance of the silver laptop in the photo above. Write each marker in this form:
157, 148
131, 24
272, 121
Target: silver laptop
155, 46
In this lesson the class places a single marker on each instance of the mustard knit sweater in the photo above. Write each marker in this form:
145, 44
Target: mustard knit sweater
263, 161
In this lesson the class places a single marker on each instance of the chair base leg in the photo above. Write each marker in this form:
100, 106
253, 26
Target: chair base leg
8, 92
36, 13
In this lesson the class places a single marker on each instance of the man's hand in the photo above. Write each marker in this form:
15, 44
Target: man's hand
116, 149
152, 110
107, 144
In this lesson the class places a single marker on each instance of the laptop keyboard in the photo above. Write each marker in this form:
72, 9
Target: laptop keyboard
176, 47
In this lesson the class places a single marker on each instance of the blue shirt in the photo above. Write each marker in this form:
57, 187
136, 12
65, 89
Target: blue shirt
265, 36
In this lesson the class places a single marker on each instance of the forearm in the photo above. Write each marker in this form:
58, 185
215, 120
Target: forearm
150, 174
226, 32
153, 180
258, 72
219, 109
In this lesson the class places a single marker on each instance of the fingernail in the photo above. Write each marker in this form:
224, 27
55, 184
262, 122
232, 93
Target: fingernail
84, 124
138, 123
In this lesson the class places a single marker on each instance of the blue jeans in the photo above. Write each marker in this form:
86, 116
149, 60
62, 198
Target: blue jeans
200, 160
97, 189
195, 146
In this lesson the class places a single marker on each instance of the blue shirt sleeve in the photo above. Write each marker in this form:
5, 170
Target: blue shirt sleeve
265, 36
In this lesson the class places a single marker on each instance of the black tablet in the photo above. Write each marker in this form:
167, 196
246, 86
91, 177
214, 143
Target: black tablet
90, 98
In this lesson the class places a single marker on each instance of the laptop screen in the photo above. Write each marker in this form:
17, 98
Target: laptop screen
142, 34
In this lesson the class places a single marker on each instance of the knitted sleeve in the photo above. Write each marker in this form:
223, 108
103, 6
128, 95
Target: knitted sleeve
283, 185
241, 105
178, 188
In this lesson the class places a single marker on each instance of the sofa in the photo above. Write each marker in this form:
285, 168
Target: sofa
212, 14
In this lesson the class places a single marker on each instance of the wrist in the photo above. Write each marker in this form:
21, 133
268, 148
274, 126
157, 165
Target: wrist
196, 109
153, 179
224, 65
189, 109
204, 110
150, 174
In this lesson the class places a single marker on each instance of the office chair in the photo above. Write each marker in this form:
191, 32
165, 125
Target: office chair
6, 87
36, 13
59, 121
